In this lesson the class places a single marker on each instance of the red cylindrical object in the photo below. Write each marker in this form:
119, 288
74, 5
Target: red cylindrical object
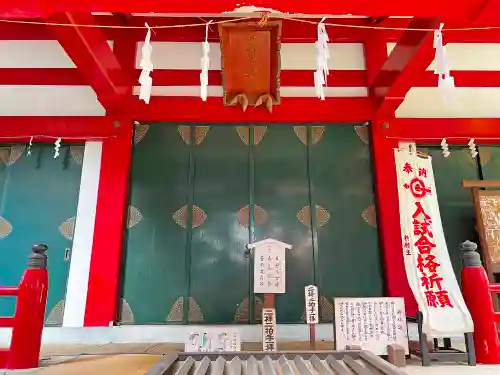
477, 295
28, 320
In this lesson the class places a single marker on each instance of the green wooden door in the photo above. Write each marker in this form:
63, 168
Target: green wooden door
219, 270
282, 192
39, 196
199, 194
349, 261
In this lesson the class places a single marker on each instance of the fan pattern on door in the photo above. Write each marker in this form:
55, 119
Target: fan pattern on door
325, 308
242, 314
194, 311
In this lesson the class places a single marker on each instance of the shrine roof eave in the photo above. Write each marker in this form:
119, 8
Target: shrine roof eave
445, 9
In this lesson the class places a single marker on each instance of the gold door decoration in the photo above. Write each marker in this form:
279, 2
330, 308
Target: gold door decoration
140, 132
326, 310
369, 215
322, 216
77, 153
5, 228
194, 311
10, 154
317, 133
489, 205
363, 133
243, 312
259, 215
67, 227
258, 134
181, 216
200, 133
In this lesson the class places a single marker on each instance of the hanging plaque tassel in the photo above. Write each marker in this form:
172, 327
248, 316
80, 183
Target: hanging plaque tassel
205, 64
445, 81
147, 67
322, 57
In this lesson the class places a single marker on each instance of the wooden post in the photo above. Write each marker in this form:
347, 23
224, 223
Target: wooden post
312, 336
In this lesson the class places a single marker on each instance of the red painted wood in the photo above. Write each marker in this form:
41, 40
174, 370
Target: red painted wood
296, 110
6, 321
299, 78
90, 52
46, 128
423, 8
28, 321
477, 296
388, 223
410, 57
102, 294
9, 291
432, 131
4, 355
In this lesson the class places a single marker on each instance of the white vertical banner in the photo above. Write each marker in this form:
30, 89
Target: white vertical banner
427, 261
269, 330
311, 298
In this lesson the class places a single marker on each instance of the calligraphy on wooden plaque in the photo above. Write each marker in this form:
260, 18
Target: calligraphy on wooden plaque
250, 54
489, 226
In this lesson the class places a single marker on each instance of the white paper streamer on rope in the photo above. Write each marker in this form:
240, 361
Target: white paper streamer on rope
445, 81
147, 67
322, 57
29, 146
57, 147
444, 148
472, 148
205, 64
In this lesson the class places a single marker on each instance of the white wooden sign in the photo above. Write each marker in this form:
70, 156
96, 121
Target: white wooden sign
213, 339
371, 323
269, 266
269, 330
311, 298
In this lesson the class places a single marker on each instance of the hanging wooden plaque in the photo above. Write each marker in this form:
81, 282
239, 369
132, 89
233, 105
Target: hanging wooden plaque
250, 54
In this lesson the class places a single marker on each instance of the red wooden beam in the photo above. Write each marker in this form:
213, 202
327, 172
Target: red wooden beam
46, 128
291, 110
90, 52
423, 8
455, 130
410, 57
167, 77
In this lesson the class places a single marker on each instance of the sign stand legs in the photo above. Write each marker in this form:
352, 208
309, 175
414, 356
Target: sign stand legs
312, 336
445, 353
